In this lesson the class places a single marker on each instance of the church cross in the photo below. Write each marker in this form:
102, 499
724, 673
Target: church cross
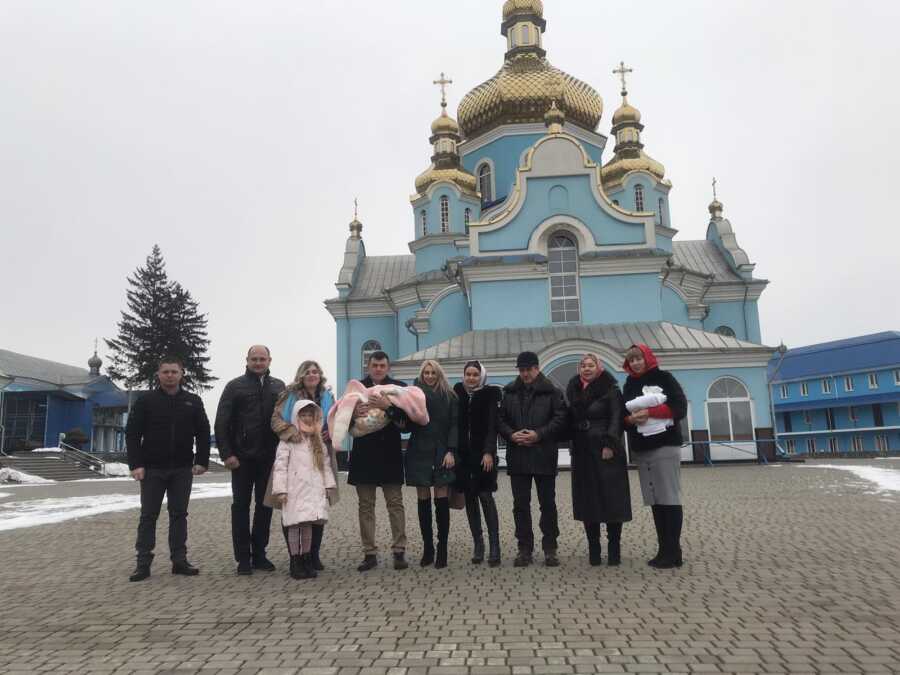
355, 209
622, 71
443, 82
714, 183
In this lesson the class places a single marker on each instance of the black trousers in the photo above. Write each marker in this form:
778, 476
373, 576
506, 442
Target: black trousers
549, 523
175, 484
248, 484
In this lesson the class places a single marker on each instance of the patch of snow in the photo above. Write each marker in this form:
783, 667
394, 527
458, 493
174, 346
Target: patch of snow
116, 469
886, 480
47, 450
12, 476
15, 515
5, 494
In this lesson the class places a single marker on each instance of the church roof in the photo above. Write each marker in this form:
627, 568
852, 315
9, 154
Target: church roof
24, 367
703, 256
508, 342
380, 272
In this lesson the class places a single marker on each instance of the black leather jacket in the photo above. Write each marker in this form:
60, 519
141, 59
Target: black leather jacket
244, 415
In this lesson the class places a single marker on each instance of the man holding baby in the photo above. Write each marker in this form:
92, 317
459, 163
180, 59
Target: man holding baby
377, 460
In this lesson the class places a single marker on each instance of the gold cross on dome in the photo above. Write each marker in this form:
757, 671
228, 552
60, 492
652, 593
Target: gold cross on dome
714, 183
355, 209
443, 82
622, 71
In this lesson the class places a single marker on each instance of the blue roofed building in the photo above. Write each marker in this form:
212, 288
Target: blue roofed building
528, 232
41, 399
840, 397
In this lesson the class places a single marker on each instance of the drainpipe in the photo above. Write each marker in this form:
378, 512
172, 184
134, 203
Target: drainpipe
347, 318
744, 311
396, 311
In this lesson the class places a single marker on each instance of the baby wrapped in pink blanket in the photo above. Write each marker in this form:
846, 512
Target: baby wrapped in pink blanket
410, 400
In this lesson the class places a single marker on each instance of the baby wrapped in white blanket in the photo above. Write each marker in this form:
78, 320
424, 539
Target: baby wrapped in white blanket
652, 397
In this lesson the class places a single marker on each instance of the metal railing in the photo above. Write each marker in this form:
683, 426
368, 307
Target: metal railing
82, 458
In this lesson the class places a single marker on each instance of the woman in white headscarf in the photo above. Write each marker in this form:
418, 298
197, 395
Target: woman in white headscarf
477, 470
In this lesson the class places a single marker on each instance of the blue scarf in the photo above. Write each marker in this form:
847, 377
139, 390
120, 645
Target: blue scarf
325, 404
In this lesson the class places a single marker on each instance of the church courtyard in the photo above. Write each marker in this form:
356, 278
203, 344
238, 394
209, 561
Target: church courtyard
789, 569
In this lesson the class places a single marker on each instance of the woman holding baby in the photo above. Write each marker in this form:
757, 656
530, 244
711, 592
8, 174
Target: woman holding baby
600, 489
654, 439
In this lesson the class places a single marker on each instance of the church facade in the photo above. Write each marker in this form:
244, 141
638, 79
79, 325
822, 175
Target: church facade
528, 233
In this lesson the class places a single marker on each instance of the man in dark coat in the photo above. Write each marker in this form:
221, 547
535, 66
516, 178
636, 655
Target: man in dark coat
532, 418
164, 428
377, 460
247, 446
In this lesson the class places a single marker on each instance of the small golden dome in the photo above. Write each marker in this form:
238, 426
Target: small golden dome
716, 208
619, 166
521, 92
626, 113
462, 179
512, 7
444, 125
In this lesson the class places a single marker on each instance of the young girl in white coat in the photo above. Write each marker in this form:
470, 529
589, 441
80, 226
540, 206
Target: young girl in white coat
300, 479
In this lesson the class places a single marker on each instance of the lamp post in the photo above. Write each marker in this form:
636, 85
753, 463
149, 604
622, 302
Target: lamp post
5, 381
781, 350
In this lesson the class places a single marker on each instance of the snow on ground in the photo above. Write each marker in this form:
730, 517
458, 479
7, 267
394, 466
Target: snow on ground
5, 494
12, 476
886, 480
46, 450
116, 469
15, 515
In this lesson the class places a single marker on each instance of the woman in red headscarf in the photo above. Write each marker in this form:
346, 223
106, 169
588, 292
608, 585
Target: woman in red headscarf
600, 489
655, 404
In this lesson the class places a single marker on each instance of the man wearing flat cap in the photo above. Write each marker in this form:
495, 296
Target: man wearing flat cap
532, 417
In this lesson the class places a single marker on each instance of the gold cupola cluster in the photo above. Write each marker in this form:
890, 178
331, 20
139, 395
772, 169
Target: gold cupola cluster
445, 164
526, 85
629, 152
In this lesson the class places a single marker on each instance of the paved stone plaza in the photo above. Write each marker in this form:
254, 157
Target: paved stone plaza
789, 569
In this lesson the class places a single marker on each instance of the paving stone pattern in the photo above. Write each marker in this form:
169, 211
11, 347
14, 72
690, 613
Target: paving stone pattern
789, 570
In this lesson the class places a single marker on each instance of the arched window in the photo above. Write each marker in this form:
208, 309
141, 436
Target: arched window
662, 211
562, 256
369, 348
730, 411
485, 183
445, 215
725, 331
639, 197
423, 216
526, 34
467, 218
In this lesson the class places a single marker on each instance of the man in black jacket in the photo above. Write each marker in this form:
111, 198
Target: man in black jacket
247, 446
164, 426
377, 459
532, 417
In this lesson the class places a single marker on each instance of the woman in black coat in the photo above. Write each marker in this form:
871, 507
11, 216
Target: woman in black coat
600, 488
476, 473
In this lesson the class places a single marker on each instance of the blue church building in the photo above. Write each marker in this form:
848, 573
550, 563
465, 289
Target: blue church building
839, 397
528, 232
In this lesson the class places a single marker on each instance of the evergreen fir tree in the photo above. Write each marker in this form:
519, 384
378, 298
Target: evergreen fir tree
162, 319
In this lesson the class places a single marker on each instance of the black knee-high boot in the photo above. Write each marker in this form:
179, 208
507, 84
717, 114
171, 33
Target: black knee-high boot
442, 516
595, 551
489, 506
659, 522
427, 532
673, 531
318, 531
473, 513
614, 544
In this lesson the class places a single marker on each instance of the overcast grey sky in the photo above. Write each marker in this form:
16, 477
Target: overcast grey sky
236, 135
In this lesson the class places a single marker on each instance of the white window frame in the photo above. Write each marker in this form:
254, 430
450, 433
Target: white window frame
563, 276
834, 446
857, 445
881, 443
369, 347
807, 418
467, 219
791, 446
726, 331
804, 389
873, 380
897, 378
662, 211
848, 383
784, 391
492, 185
639, 197
423, 222
852, 414
811, 446
826, 385
445, 214
728, 401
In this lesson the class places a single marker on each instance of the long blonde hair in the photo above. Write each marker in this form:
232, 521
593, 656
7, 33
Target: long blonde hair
297, 385
442, 386
316, 444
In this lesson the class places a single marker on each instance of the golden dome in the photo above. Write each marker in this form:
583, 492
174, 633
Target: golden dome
619, 166
511, 7
444, 125
716, 208
462, 179
626, 113
522, 91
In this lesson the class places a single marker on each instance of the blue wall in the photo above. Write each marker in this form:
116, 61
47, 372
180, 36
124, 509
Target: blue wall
64, 415
732, 314
510, 304
620, 299
361, 330
448, 319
